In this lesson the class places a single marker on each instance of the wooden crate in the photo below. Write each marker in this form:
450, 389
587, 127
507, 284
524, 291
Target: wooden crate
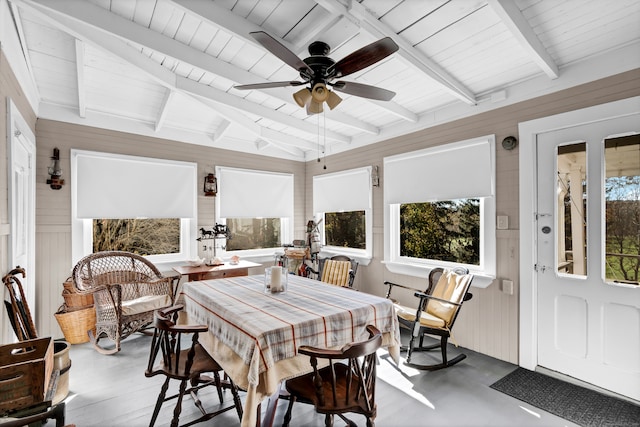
25, 372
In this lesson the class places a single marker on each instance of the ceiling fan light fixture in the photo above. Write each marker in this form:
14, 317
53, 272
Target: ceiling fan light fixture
314, 107
333, 100
320, 92
302, 97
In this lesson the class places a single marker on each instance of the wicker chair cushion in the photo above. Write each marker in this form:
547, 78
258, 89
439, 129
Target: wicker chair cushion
336, 272
144, 304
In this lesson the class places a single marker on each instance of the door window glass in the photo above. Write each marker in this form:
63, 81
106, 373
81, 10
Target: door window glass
571, 215
622, 205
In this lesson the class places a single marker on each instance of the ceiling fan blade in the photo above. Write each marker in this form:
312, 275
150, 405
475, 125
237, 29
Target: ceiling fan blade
268, 85
364, 91
363, 57
281, 51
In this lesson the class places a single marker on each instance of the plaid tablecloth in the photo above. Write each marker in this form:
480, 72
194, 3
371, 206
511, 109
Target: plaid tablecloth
264, 328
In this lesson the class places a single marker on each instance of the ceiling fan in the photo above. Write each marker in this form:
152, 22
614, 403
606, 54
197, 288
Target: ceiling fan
318, 71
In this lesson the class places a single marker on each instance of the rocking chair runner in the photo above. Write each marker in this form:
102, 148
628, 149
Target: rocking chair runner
435, 314
189, 365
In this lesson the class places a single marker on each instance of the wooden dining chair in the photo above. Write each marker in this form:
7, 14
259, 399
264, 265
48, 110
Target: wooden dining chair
339, 270
188, 365
434, 313
346, 385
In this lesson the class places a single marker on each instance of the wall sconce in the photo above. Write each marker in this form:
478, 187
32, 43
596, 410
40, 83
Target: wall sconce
210, 185
54, 170
375, 178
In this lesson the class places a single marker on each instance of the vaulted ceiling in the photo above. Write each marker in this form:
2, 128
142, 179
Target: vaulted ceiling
168, 68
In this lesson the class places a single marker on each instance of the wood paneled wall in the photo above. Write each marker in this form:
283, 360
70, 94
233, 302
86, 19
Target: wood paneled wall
53, 208
489, 322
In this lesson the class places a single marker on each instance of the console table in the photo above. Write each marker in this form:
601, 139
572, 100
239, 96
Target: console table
205, 272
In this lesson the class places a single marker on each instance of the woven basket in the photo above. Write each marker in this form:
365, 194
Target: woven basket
75, 324
74, 300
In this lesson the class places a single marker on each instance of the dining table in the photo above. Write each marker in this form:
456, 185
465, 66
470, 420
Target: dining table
255, 334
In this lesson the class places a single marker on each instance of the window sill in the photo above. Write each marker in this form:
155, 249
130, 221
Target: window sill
326, 252
480, 279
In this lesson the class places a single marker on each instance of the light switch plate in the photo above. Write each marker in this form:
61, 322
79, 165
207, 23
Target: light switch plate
507, 287
503, 222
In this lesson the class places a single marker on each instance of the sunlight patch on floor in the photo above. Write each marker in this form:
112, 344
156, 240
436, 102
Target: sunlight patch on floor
398, 377
535, 414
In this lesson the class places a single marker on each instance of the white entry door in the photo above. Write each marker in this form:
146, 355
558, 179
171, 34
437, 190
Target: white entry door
22, 150
588, 253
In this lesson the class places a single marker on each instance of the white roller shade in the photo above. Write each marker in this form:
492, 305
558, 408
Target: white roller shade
117, 186
342, 191
244, 193
452, 171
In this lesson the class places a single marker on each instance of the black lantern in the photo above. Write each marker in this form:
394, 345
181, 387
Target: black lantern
210, 185
55, 171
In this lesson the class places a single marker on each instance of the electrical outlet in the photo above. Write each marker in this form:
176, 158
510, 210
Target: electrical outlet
507, 286
502, 222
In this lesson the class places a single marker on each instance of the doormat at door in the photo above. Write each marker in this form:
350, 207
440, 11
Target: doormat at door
574, 403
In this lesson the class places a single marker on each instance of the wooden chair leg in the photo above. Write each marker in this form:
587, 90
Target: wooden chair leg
287, 415
159, 402
178, 409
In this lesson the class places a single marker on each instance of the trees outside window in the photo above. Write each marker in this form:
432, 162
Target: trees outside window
253, 233
140, 236
443, 230
345, 229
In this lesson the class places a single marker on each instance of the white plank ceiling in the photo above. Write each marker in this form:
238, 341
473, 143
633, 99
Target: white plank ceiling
168, 68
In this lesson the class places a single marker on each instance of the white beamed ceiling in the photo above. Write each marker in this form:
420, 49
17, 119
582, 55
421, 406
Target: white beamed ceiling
167, 68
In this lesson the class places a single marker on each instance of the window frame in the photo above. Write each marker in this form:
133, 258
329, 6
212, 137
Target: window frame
363, 256
82, 228
484, 273
286, 223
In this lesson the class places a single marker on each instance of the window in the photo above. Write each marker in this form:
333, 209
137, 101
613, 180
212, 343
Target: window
440, 209
140, 236
147, 207
622, 203
257, 206
445, 230
345, 229
253, 233
343, 201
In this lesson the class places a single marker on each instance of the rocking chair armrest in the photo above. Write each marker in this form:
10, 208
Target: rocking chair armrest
391, 285
424, 296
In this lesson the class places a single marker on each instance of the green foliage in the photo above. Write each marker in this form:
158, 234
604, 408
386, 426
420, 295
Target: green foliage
140, 236
443, 230
345, 229
253, 233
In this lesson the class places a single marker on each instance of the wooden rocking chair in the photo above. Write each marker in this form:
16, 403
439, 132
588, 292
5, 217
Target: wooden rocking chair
435, 313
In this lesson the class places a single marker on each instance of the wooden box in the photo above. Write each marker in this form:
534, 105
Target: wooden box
25, 372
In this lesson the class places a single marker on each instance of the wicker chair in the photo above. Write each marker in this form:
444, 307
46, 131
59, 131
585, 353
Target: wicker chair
126, 288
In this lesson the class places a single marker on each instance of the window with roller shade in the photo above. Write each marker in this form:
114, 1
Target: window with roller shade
342, 201
138, 204
440, 206
257, 206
